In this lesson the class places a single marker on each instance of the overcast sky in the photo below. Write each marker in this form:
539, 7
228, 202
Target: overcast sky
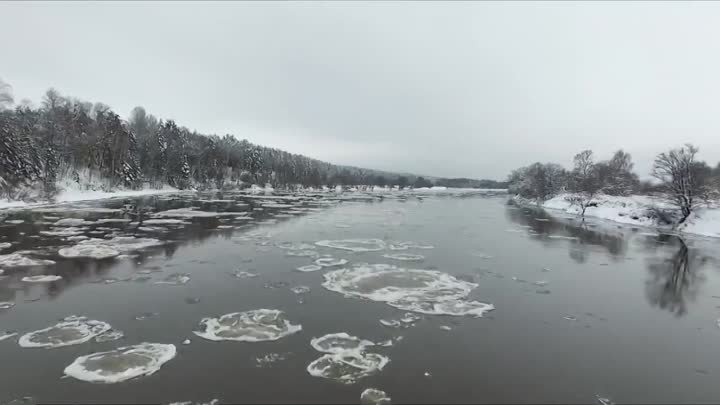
469, 89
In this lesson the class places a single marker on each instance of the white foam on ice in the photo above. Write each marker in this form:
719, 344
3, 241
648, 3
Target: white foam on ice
425, 291
250, 326
72, 330
408, 257
309, 268
330, 262
339, 342
354, 245
347, 367
374, 396
19, 260
122, 363
46, 278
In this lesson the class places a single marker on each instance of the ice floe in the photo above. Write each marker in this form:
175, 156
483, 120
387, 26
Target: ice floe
122, 363
334, 343
5, 245
250, 326
309, 268
409, 257
191, 213
330, 262
409, 245
302, 253
91, 251
300, 289
43, 278
244, 274
373, 396
425, 291
175, 279
72, 330
7, 304
347, 367
7, 335
19, 260
354, 245
164, 221
72, 222
109, 336
269, 359
15, 221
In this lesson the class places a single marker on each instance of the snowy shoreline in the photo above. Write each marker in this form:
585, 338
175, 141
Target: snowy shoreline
87, 195
635, 210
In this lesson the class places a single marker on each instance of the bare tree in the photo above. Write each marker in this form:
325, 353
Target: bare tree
6, 97
585, 181
683, 179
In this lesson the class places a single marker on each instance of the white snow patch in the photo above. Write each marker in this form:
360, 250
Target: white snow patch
250, 326
121, 364
72, 330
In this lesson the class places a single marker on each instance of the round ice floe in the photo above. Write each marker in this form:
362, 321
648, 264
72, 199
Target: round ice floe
408, 257
373, 396
330, 262
124, 244
339, 342
354, 245
347, 367
18, 260
72, 330
45, 278
424, 291
250, 326
309, 268
91, 251
121, 364
302, 253
409, 245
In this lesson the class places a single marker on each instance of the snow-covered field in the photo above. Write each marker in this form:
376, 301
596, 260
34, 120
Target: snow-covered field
638, 210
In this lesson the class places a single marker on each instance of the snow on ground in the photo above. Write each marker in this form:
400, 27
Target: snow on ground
638, 210
74, 195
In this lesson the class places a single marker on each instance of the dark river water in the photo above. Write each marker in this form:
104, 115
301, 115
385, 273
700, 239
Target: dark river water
581, 310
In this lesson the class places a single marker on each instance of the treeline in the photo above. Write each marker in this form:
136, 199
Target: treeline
65, 138
679, 177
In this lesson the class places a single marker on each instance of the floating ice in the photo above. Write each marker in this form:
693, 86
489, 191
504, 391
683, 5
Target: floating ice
5, 245
302, 253
373, 396
164, 221
7, 335
41, 278
540, 283
244, 274
309, 268
121, 364
570, 318
186, 342
347, 367
354, 245
191, 213
270, 358
330, 262
250, 326
92, 251
425, 291
175, 279
385, 343
409, 245
113, 220
125, 244
72, 222
295, 246
146, 315
15, 221
334, 343
18, 260
409, 317
72, 330
563, 237
6, 304
78, 237
277, 205
405, 256
445, 327
300, 289
110, 336
392, 323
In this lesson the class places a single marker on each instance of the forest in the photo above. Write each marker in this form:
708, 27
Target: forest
70, 140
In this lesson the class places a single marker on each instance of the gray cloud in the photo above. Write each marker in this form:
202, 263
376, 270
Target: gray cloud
450, 89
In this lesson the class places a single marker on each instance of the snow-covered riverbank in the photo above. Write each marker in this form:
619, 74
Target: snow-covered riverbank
73, 195
637, 210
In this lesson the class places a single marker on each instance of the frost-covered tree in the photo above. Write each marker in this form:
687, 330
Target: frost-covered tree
684, 180
6, 96
539, 181
617, 176
585, 182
